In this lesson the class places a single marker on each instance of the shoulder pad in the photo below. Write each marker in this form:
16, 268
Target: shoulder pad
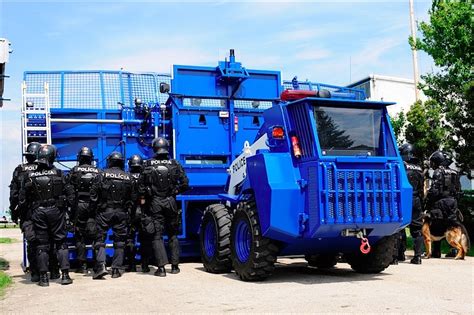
116, 175
28, 167
413, 167
159, 162
86, 169
44, 173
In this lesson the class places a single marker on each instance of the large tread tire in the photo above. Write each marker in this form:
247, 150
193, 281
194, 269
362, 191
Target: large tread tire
220, 219
379, 258
321, 261
263, 252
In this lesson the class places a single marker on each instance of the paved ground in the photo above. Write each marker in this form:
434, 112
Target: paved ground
438, 286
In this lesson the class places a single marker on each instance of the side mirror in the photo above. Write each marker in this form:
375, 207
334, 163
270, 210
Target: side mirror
164, 87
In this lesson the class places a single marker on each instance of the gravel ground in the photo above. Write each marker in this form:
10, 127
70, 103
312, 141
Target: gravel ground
437, 286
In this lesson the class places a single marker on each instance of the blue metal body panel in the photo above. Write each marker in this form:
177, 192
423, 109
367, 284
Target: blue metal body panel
302, 201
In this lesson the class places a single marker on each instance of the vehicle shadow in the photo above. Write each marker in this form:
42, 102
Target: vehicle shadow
299, 272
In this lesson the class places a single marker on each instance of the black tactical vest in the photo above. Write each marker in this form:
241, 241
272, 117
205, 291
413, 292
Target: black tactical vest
416, 178
159, 175
82, 176
116, 187
46, 187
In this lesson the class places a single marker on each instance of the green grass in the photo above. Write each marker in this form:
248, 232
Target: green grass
6, 240
5, 281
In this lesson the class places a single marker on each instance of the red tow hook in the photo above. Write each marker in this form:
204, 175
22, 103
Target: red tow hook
364, 246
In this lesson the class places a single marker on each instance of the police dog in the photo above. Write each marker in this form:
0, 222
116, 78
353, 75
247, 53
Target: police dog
456, 235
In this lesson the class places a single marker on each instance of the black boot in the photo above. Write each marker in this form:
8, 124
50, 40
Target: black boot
436, 249
452, 253
43, 279
160, 272
99, 272
416, 260
145, 268
133, 268
82, 269
175, 269
394, 261
35, 276
116, 273
65, 279
54, 274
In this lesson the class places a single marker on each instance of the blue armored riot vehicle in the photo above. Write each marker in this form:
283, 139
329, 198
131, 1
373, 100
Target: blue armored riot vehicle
322, 178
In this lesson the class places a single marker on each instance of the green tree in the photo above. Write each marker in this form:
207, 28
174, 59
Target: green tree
448, 39
425, 129
398, 123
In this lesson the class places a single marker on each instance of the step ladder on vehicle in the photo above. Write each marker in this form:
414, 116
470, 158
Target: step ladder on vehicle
36, 116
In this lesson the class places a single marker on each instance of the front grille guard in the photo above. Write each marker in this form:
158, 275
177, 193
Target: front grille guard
359, 196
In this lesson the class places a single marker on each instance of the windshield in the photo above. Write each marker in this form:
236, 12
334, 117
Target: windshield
348, 131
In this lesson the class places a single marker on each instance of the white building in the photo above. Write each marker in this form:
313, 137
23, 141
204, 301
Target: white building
389, 89
399, 90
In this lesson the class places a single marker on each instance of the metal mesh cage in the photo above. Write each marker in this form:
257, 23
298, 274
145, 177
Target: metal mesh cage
97, 89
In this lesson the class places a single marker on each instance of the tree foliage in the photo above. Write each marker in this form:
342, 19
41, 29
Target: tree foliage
425, 129
398, 123
448, 39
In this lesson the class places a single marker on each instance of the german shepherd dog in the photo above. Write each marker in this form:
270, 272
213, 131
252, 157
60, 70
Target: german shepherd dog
455, 233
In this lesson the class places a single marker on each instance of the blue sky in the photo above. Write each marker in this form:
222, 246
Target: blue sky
319, 41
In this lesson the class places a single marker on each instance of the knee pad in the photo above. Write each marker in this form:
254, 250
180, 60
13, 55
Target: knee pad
157, 237
98, 245
60, 246
43, 248
118, 245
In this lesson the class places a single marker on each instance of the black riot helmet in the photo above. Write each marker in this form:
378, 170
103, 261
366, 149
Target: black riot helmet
31, 151
135, 163
160, 146
85, 156
439, 158
115, 159
448, 159
46, 155
407, 151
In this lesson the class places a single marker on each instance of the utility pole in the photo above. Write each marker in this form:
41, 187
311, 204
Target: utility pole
414, 53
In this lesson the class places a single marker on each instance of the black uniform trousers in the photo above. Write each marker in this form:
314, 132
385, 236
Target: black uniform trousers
130, 249
164, 213
117, 219
50, 230
80, 234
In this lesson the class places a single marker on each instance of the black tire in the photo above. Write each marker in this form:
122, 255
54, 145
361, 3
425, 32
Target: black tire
379, 258
262, 252
217, 217
321, 261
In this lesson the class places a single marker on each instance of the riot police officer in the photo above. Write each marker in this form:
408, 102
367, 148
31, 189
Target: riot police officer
24, 213
112, 198
442, 197
162, 179
416, 179
80, 178
135, 167
46, 190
